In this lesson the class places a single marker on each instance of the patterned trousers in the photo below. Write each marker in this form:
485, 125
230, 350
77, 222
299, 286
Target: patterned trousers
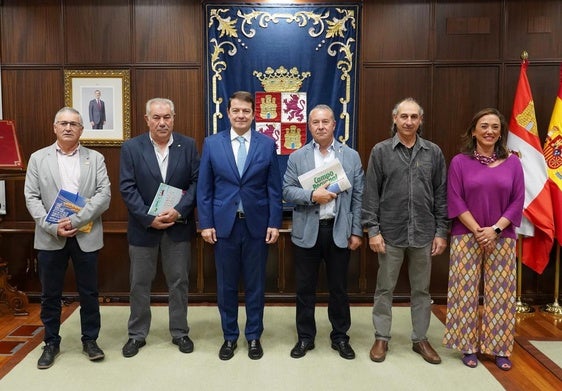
489, 330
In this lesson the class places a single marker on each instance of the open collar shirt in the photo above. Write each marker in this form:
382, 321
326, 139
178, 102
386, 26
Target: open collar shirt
405, 197
162, 156
69, 168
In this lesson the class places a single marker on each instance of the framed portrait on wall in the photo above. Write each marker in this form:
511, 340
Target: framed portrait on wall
103, 97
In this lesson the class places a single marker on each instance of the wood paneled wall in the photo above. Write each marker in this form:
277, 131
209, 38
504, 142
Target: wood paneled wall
453, 57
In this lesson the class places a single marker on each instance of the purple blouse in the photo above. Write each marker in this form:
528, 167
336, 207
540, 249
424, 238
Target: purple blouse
487, 192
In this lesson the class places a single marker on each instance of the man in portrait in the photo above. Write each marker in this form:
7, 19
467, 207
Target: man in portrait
96, 109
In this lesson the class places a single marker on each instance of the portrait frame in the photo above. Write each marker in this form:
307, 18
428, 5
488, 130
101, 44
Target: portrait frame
114, 86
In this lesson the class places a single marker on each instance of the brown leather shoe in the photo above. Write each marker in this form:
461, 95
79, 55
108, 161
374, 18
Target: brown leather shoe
378, 351
424, 349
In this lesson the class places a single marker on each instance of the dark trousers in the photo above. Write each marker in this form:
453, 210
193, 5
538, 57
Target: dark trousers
307, 264
52, 269
241, 257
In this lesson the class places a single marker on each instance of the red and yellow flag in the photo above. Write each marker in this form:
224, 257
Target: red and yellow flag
553, 158
537, 227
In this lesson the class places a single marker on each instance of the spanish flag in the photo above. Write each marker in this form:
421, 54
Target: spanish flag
553, 157
537, 227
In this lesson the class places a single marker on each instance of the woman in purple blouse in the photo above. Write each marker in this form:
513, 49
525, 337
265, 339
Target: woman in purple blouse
485, 195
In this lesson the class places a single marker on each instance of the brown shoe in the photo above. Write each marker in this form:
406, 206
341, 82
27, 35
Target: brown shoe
424, 349
378, 351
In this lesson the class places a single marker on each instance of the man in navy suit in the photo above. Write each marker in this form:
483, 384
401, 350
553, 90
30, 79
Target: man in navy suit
96, 109
159, 156
240, 214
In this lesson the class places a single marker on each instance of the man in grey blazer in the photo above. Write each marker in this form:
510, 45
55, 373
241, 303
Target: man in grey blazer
326, 227
68, 165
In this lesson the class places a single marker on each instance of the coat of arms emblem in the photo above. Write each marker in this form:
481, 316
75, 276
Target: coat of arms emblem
281, 110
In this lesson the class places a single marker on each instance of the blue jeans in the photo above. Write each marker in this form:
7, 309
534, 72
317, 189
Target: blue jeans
52, 269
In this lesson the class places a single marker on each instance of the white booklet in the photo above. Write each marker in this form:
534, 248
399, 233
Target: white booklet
166, 197
332, 173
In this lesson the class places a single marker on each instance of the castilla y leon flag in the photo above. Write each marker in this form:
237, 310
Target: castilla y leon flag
553, 157
281, 115
537, 227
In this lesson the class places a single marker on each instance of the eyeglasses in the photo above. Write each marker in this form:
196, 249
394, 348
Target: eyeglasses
73, 125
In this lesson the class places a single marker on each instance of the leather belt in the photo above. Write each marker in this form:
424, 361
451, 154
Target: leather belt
327, 222
240, 215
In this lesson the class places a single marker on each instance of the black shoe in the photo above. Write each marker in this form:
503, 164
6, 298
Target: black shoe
344, 348
132, 347
300, 348
47, 359
92, 350
255, 351
185, 344
227, 350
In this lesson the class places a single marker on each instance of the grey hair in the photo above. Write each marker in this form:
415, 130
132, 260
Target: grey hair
323, 107
67, 109
163, 101
395, 112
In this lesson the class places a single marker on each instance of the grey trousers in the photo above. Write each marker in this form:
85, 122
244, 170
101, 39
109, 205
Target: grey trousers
419, 272
176, 259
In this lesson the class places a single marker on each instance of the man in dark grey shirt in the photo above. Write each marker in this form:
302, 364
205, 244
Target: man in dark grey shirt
405, 213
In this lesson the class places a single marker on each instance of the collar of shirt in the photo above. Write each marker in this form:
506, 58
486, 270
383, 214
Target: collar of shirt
420, 142
156, 146
319, 159
72, 153
316, 146
247, 136
396, 141
236, 144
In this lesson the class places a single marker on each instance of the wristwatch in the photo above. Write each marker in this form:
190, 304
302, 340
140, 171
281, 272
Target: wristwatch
497, 229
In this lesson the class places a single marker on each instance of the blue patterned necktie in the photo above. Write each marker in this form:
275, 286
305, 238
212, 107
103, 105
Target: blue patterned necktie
241, 161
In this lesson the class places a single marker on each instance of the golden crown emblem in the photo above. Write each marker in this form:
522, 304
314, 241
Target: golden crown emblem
281, 79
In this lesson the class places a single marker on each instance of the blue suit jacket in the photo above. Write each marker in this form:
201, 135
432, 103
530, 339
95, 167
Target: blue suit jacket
220, 187
139, 180
306, 215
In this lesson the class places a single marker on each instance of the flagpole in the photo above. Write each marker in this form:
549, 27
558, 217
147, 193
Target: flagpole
520, 307
555, 308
